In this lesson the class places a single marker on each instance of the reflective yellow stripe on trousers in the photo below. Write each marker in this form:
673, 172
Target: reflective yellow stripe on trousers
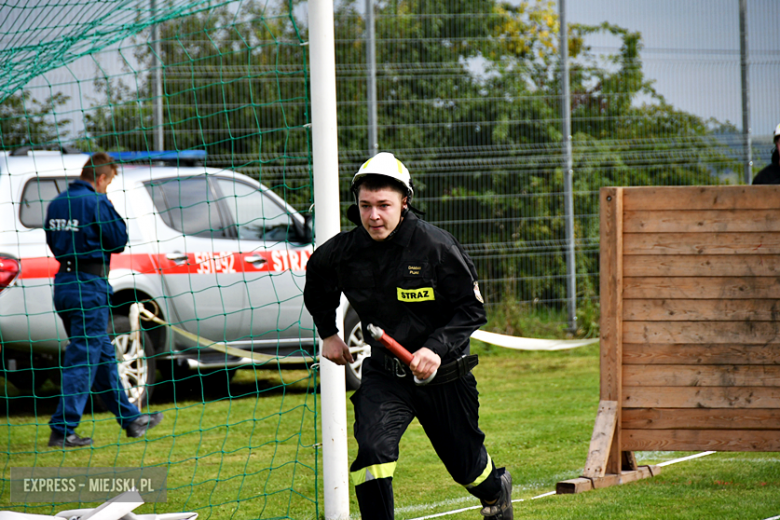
376, 471
485, 474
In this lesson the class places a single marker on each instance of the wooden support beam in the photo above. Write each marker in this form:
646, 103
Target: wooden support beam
575, 485
582, 484
601, 441
611, 296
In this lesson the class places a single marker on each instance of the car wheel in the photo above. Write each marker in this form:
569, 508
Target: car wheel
137, 365
354, 340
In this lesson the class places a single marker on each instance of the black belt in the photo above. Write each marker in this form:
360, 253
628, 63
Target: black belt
446, 373
455, 370
85, 266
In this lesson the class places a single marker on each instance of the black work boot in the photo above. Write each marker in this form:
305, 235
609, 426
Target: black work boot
501, 509
146, 422
59, 440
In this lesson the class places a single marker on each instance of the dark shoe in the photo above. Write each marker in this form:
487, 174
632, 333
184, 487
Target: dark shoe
70, 441
146, 422
501, 509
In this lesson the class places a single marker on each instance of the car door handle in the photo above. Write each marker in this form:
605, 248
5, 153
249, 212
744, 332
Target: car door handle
177, 257
255, 260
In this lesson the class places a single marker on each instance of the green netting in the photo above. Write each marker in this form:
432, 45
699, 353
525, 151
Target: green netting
41, 36
217, 248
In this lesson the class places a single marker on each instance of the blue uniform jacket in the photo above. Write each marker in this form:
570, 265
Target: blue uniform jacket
82, 224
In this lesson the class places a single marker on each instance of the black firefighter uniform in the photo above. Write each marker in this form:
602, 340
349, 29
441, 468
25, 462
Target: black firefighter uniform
421, 288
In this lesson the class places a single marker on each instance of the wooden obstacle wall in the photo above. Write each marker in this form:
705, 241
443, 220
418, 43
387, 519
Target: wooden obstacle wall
690, 326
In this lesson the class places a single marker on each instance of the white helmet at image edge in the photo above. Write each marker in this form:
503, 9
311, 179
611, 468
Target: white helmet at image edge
385, 163
777, 133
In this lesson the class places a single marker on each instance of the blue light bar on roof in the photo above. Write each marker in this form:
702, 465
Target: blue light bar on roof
165, 155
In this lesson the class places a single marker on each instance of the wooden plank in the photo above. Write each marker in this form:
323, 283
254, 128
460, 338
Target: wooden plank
582, 484
700, 419
700, 397
730, 287
575, 485
702, 221
701, 265
703, 354
611, 290
601, 440
612, 479
701, 243
639, 473
701, 198
701, 375
701, 310
701, 440
715, 332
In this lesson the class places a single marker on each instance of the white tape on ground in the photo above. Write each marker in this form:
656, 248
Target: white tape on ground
773, 518
448, 513
514, 342
549, 493
689, 457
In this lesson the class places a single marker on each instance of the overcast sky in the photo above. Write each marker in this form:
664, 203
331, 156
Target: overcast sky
692, 51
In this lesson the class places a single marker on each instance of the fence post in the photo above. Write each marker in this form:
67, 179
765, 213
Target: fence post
327, 223
743, 58
157, 91
373, 134
568, 184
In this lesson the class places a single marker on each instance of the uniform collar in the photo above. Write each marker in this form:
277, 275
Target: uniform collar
401, 238
82, 183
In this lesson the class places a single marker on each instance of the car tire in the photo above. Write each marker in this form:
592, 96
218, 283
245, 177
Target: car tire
136, 361
353, 336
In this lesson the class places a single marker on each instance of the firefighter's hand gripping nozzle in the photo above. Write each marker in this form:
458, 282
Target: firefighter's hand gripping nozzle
396, 348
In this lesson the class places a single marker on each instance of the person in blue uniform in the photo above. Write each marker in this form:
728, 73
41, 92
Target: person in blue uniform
415, 281
83, 230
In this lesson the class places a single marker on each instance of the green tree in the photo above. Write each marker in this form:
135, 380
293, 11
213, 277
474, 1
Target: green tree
434, 110
235, 85
468, 91
25, 121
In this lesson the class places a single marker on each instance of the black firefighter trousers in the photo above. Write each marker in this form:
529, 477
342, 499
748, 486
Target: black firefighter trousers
385, 404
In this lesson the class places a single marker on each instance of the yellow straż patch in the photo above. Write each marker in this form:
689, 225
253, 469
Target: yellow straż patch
423, 294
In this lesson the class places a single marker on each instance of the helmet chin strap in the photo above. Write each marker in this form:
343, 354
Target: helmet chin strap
398, 226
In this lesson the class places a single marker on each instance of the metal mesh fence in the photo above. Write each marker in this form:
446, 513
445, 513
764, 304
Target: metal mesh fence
468, 96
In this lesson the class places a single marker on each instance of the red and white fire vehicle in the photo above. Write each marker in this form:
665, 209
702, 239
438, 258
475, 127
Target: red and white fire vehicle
211, 251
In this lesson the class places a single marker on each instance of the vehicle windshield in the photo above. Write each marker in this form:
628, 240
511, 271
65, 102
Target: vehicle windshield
257, 216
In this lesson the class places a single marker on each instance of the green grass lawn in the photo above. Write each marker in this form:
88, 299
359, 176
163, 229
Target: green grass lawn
250, 451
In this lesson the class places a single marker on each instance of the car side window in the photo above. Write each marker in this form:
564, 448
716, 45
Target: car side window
257, 216
36, 196
189, 205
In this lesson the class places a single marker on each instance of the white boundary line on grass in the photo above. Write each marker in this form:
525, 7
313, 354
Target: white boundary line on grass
689, 457
438, 515
667, 463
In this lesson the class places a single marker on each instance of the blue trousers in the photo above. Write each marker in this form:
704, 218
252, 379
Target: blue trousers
82, 301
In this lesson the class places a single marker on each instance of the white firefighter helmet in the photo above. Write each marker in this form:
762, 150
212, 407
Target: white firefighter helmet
385, 163
776, 135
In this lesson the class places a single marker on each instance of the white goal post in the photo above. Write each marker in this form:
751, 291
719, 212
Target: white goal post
333, 404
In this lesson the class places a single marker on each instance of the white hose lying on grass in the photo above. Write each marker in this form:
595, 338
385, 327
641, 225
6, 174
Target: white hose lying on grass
514, 342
